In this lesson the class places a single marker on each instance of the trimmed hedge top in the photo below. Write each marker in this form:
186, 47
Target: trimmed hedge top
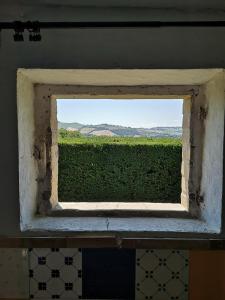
119, 169
120, 141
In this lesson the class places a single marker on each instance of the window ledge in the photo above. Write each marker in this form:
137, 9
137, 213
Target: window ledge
107, 225
126, 209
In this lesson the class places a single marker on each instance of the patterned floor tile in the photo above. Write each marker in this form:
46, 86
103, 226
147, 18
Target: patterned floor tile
161, 275
55, 273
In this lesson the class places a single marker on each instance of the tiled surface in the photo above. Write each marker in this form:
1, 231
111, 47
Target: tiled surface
161, 275
55, 273
14, 281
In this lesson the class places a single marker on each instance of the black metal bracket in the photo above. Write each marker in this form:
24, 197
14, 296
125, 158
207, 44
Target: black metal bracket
19, 27
34, 31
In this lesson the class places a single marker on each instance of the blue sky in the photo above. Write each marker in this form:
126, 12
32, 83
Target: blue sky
133, 113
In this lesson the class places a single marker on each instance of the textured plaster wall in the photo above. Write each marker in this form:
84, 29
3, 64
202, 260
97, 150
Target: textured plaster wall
14, 273
212, 178
94, 48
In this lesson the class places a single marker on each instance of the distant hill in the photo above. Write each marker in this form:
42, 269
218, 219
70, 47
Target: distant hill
117, 130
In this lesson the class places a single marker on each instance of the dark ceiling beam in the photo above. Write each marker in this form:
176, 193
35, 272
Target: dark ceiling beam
17, 25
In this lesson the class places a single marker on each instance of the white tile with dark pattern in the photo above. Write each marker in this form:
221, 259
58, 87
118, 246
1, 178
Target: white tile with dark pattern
161, 275
55, 273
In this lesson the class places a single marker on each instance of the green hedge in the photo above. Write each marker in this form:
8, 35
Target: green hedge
121, 170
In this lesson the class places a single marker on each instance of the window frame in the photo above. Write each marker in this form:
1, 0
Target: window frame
47, 147
45, 206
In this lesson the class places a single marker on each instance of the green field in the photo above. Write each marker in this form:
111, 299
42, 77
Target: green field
119, 169
102, 140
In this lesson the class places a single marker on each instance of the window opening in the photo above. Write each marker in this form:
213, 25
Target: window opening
119, 150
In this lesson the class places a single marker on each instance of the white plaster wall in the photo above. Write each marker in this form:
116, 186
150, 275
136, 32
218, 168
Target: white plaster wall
212, 174
27, 181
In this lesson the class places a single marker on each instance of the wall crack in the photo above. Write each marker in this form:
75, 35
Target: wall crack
107, 224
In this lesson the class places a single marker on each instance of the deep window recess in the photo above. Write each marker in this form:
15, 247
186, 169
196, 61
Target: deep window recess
95, 169
200, 207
